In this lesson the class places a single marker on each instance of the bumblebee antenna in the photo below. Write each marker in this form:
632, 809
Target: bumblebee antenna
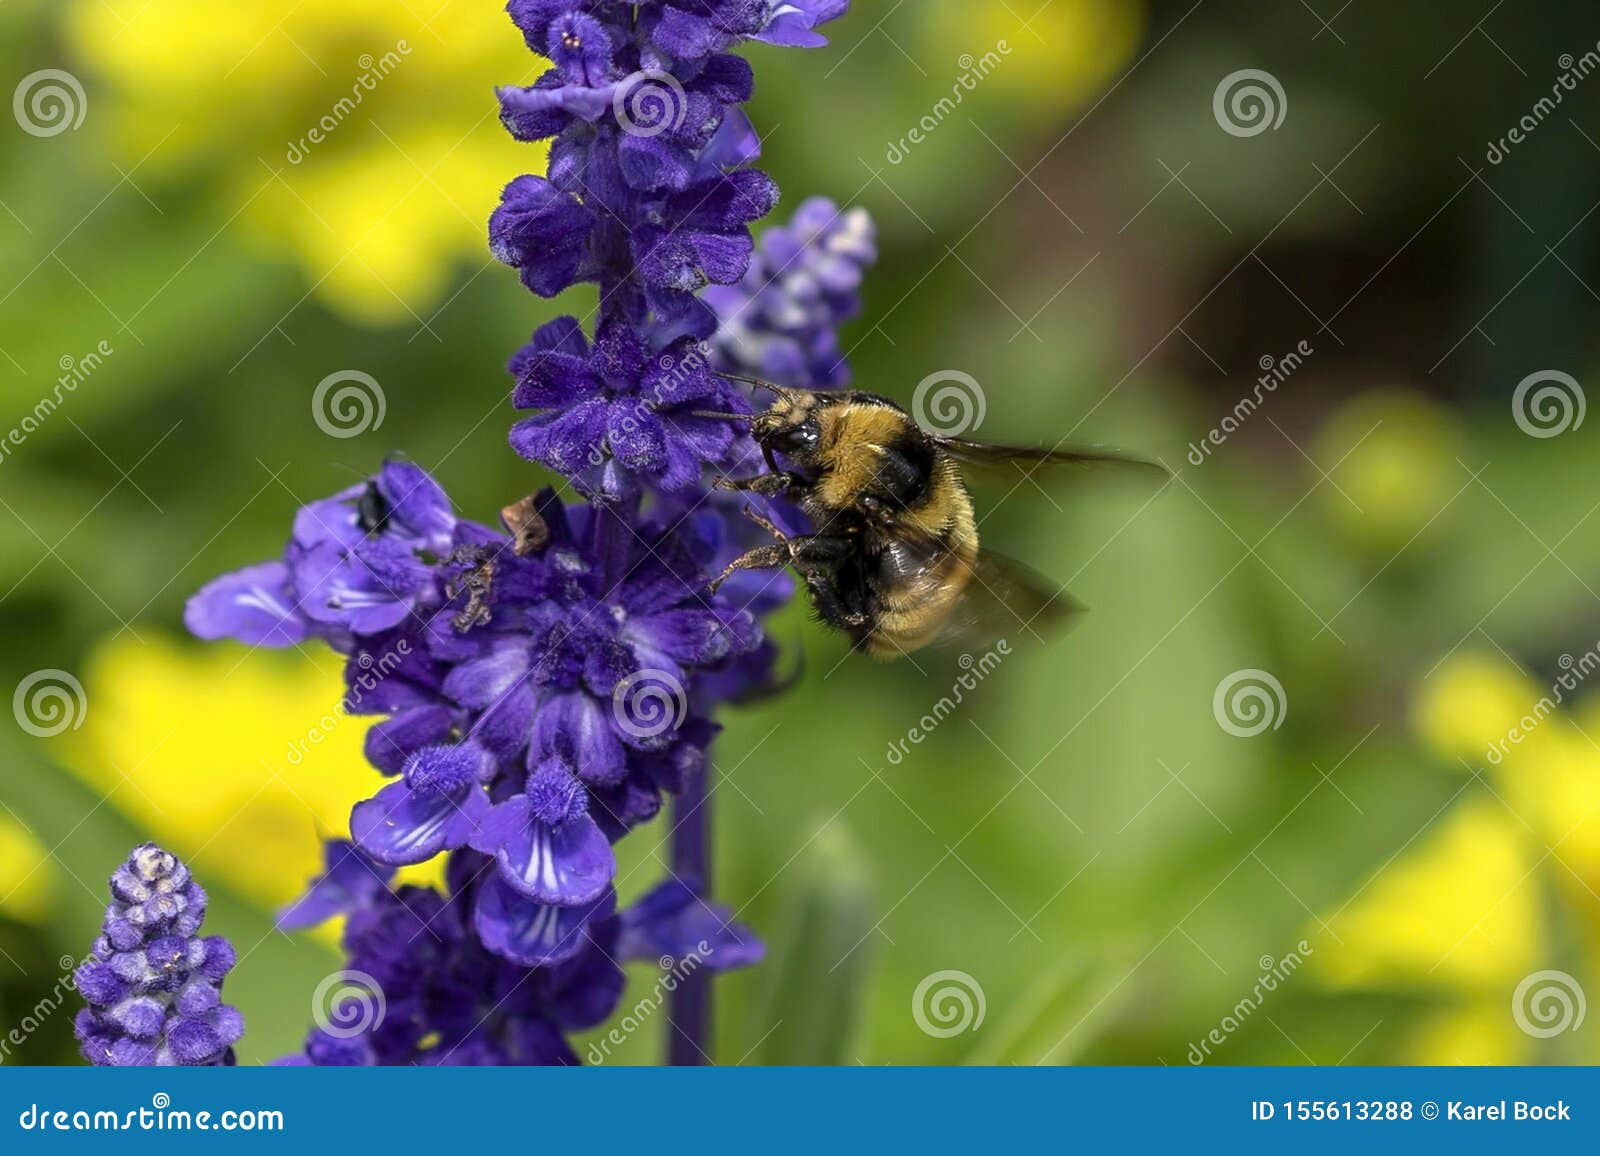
780, 390
722, 416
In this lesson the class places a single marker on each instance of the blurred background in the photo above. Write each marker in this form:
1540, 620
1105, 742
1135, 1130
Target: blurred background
1313, 781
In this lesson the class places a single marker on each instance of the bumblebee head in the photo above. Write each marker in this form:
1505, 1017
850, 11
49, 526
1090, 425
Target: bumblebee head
791, 426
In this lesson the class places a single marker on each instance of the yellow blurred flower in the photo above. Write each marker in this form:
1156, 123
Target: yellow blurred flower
1469, 704
1464, 913
1538, 743
30, 877
1396, 451
358, 138
1480, 1032
1456, 910
239, 760
1050, 56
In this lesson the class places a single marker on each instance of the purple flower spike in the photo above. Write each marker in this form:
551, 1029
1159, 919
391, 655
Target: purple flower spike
781, 322
152, 984
539, 688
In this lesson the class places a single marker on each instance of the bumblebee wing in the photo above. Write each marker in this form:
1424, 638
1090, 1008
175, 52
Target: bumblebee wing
1005, 599
1024, 459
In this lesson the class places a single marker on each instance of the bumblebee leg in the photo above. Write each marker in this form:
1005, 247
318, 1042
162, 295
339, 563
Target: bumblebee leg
831, 608
761, 558
767, 485
766, 524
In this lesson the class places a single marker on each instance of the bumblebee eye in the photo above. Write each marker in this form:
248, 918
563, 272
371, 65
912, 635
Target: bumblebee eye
798, 439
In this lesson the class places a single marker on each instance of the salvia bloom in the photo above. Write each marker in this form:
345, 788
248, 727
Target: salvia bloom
536, 703
615, 413
543, 684
649, 192
781, 322
435, 989
153, 983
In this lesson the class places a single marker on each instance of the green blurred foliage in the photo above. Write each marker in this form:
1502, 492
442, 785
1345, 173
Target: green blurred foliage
1081, 838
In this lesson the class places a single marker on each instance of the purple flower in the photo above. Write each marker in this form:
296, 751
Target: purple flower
781, 321
676, 922
359, 563
546, 722
651, 251
446, 998
687, 29
545, 842
350, 881
153, 984
794, 23
647, 192
614, 412
436, 807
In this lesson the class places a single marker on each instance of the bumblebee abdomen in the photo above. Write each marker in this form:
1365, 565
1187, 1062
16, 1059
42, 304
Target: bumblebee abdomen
913, 612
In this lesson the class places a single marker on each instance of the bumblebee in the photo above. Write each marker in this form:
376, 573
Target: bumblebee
894, 559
